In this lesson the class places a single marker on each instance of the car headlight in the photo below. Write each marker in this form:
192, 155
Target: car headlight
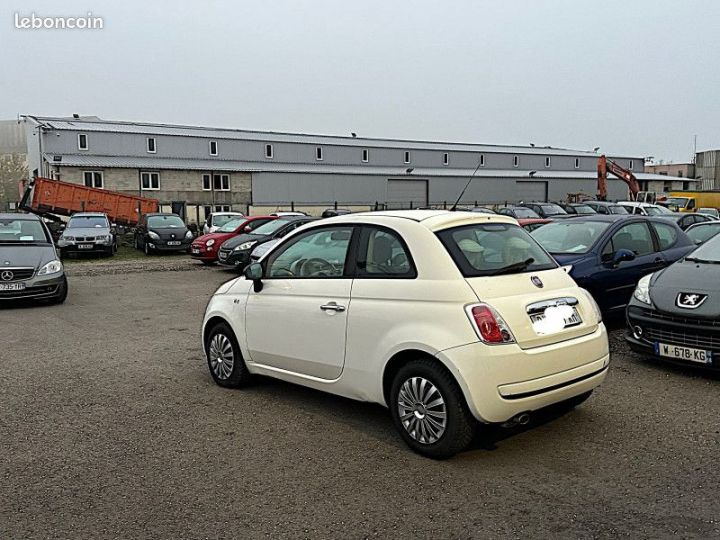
245, 245
102, 239
53, 267
189, 235
68, 238
153, 235
210, 242
642, 291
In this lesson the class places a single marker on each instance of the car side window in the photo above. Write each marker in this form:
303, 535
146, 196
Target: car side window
667, 235
382, 254
634, 237
314, 254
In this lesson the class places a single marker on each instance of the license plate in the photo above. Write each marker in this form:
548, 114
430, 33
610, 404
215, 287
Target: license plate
85, 246
683, 353
195, 251
554, 319
12, 286
222, 256
174, 243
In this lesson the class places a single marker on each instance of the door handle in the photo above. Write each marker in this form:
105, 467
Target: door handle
332, 306
659, 260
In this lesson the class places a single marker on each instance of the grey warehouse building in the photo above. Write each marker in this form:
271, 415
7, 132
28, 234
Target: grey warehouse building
196, 170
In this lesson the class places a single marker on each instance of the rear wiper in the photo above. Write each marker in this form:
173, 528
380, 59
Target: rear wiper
510, 268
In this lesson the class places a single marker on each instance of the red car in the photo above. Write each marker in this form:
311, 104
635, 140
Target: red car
530, 224
205, 248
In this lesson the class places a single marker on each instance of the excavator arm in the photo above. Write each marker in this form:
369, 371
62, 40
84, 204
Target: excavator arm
606, 166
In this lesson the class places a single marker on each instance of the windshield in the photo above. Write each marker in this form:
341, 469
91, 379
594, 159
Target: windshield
552, 210
525, 213
77, 222
165, 222
617, 209
494, 248
702, 233
222, 219
584, 209
569, 236
680, 202
656, 210
22, 231
230, 226
271, 227
709, 252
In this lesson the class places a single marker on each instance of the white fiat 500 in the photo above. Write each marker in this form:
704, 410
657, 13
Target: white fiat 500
450, 319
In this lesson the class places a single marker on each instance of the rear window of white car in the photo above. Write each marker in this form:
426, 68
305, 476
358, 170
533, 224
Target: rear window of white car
494, 248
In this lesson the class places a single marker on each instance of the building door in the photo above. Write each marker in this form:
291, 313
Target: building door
531, 190
407, 193
178, 207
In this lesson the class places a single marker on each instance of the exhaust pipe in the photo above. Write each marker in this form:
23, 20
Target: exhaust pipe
520, 419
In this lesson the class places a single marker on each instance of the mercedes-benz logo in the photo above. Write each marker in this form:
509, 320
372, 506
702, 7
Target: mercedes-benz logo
6, 275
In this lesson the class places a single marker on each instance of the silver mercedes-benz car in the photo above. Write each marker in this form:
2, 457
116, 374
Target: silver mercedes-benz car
29, 263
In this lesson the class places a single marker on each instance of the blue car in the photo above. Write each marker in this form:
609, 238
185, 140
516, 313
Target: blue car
608, 254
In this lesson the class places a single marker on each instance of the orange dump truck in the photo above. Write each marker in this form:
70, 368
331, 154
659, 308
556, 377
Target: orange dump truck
46, 196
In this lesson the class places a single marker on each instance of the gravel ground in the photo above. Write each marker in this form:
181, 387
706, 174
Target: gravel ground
111, 427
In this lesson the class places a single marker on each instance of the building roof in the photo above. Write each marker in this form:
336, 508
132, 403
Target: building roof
155, 163
93, 123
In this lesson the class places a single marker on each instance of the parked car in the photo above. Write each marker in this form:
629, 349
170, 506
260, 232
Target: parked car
205, 248
579, 209
217, 219
606, 208
644, 209
674, 312
700, 233
30, 266
331, 212
547, 210
236, 251
607, 255
483, 210
162, 232
446, 318
87, 232
518, 212
687, 219
288, 213
532, 224
712, 212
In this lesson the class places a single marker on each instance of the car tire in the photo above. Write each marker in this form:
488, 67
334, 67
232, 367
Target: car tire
62, 293
135, 242
224, 357
146, 248
418, 415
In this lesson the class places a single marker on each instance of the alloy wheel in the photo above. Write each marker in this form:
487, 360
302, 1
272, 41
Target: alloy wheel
222, 358
422, 410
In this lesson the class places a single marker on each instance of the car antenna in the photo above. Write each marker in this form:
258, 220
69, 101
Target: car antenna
454, 206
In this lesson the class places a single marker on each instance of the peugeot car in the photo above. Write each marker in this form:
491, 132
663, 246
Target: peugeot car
29, 263
675, 313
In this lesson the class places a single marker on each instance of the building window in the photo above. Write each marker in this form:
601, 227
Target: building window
407, 156
482, 160
151, 145
318, 153
577, 163
516, 161
213, 148
547, 161
206, 185
269, 151
221, 182
82, 141
680, 174
93, 179
149, 181
222, 208
631, 164
446, 159
365, 155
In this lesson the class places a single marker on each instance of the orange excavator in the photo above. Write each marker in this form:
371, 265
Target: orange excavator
606, 166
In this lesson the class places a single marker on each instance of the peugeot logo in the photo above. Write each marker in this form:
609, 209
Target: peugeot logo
537, 282
690, 300
6, 275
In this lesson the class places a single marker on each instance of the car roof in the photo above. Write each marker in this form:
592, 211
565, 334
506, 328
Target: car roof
161, 214
227, 214
608, 218
24, 217
434, 220
88, 214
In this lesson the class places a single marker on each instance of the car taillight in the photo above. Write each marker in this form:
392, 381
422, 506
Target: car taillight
489, 325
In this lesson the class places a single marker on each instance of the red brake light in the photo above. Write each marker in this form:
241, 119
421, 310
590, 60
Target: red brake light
489, 325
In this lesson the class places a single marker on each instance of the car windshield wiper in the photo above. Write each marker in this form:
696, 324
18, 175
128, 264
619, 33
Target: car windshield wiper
701, 261
510, 268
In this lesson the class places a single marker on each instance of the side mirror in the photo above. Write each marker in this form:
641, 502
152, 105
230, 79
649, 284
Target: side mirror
254, 272
622, 255
247, 228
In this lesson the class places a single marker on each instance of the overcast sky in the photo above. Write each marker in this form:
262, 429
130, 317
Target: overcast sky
637, 77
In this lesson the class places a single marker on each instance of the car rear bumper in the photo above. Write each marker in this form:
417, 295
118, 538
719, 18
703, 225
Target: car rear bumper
36, 288
500, 382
